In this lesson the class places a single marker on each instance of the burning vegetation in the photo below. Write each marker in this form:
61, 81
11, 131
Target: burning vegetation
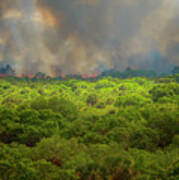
7, 71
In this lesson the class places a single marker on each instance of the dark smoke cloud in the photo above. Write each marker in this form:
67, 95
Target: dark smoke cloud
81, 36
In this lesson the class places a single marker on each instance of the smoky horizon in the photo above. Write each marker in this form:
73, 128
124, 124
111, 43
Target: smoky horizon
89, 36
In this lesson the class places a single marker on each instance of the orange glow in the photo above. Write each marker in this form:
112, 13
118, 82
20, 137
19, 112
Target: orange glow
25, 75
3, 75
31, 76
49, 18
95, 75
63, 76
19, 75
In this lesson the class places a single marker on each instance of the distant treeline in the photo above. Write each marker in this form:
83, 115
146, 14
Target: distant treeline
7, 70
129, 72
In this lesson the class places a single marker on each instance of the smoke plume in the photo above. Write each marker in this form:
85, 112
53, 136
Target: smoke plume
81, 36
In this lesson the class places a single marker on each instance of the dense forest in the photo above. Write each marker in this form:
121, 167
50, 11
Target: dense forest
105, 128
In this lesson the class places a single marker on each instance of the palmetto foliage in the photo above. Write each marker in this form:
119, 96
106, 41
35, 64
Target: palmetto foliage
109, 129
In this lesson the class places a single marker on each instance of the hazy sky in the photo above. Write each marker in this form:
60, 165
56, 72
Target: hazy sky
86, 36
